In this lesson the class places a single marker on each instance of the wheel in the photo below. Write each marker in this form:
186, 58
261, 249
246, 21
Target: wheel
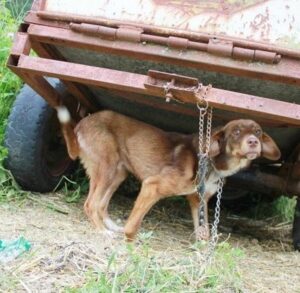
236, 200
37, 156
233, 194
296, 226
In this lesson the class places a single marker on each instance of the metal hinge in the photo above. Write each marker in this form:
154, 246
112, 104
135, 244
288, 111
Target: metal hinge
123, 33
227, 49
214, 45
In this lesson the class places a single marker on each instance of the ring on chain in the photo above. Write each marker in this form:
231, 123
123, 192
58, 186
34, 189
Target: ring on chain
203, 105
167, 87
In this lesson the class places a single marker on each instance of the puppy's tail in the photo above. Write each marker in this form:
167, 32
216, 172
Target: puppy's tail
67, 126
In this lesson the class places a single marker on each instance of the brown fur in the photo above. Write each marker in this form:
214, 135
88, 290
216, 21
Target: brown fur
111, 145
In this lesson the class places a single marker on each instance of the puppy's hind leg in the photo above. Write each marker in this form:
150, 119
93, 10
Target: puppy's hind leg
87, 204
102, 188
90, 206
109, 176
118, 178
100, 181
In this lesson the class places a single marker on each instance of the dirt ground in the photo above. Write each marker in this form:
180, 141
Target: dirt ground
62, 239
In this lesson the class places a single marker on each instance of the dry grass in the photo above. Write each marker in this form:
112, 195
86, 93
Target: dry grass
68, 254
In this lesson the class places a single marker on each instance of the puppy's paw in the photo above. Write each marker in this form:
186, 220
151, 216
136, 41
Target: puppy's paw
129, 237
202, 233
108, 233
111, 225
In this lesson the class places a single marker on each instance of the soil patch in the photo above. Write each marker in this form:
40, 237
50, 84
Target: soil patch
66, 248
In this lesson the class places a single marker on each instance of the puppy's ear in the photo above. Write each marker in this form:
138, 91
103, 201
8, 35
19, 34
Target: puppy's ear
215, 143
269, 148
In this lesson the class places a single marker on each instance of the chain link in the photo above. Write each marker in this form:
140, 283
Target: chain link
208, 126
209, 254
202, 113
214, 229
206, 112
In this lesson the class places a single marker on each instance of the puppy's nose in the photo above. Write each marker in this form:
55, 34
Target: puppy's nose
252, 142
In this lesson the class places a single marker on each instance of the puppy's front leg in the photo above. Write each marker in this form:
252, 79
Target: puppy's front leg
194, 202
147, 197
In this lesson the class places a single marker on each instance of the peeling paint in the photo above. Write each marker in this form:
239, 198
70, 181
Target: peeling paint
271, 21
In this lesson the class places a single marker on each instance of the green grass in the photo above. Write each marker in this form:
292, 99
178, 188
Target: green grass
9, 83
76, 187
11, 14
281, 208
138, 269
284, 207
9, 86
18, 8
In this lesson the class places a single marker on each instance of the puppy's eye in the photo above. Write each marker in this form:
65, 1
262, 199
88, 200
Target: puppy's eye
236, 132
257, 132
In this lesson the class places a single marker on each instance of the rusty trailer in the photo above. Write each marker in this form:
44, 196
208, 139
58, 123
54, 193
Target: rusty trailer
147, 59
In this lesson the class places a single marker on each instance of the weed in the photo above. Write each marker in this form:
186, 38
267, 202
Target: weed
139, 269
11, 13
284, 208
9, 83
18, 8
281, 209
74, 188
9, 86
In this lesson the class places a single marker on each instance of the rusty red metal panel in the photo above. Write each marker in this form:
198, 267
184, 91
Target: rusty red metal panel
80, 95
214, 46
273, 21
21, 44
40, 85
62, 20
193, 111
287, 71
131, 82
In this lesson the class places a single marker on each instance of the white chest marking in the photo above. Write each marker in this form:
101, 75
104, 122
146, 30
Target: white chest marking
233, 168
211, 184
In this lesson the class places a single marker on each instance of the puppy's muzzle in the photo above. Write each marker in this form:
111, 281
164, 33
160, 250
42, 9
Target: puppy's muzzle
252, 147
252, 142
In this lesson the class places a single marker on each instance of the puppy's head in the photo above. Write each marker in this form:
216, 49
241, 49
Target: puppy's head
243, 139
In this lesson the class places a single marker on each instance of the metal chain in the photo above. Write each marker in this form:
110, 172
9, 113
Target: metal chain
208, 127
208, 257
206, 112
214, 229
202, 114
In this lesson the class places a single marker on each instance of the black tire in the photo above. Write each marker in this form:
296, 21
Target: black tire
37, 156
296, 226
236, 200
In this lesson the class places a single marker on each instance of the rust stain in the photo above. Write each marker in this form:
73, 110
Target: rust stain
136, 83
259, 20
221, 7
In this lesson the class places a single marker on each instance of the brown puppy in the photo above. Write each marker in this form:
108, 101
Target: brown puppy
111, 145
